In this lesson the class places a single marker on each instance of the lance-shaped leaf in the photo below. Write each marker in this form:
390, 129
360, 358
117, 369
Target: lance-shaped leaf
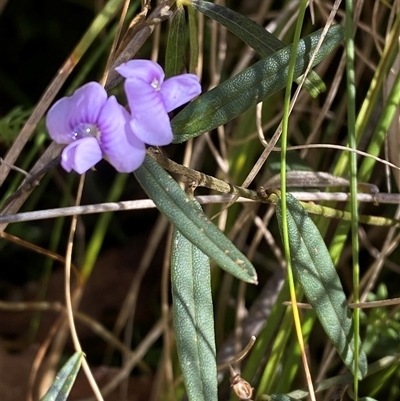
254, 84
193, 317
254, 35
192, 223
64, 380
176, 44
313, 268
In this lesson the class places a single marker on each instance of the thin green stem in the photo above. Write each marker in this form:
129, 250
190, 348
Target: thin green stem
351, 124
285, 233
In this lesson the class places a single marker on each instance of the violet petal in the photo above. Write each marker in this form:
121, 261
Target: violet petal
150, 121
81, 155
121, 148
83, 107
146, 70
179, 90
88, 101
58, 121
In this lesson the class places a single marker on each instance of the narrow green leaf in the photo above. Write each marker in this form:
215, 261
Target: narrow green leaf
281, 397
192, 223
64, 380
317, 275
237, 94
193, 40
255, 36
176, 44
194, 317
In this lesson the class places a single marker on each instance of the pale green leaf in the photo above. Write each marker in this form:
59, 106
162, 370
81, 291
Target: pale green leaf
313, 268
193, 317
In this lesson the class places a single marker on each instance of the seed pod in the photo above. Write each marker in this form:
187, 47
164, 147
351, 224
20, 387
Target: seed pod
241, 387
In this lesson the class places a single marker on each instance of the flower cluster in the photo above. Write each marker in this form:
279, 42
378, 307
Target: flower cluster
95, 126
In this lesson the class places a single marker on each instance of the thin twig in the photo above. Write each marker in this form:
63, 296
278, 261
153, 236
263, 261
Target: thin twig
380, 198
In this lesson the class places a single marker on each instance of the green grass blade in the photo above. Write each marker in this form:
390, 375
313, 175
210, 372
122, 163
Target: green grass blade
374, 93
64, 380
270, 374
193, 224
237, 94
194, 317
266, 339
255, 36
314, 270
101, 228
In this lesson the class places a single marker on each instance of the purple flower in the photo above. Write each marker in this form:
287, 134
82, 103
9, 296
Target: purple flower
151, 98
94, 127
